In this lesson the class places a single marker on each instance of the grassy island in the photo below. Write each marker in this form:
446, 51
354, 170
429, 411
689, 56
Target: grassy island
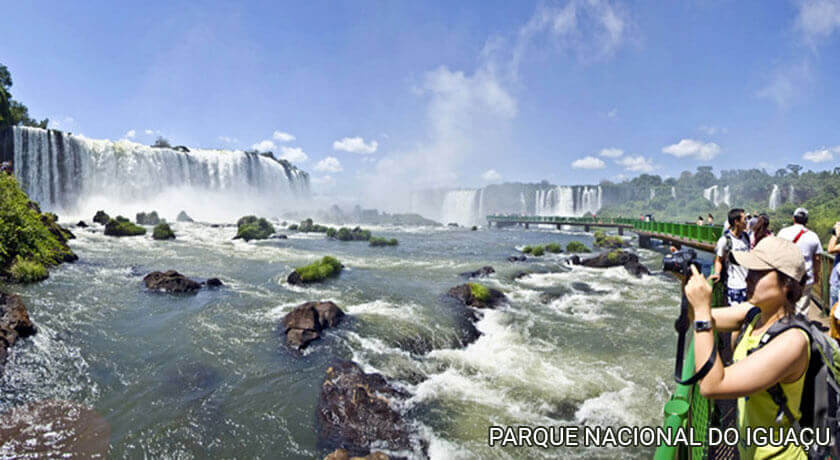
253, 228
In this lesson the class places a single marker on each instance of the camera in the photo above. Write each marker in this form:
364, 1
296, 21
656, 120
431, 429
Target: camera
680, 262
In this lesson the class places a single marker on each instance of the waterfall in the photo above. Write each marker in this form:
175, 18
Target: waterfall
568, 201
60, 171
460, 206
774, 198
714, 195
673, 192
791, 194
652, 193
710, 194
726, 197
523, 204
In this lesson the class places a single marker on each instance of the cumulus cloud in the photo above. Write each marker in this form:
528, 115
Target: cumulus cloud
130, 134
588, 162
491, 175
149, 132
821, 155
818, 19
329, 164
264, 146
636, 164
356, 145
293, 154
611, 152
692, 148
280, 136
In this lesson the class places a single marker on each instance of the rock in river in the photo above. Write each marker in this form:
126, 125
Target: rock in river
477, 295
14, 323
481, 272
305, 323
617, 258
170, 281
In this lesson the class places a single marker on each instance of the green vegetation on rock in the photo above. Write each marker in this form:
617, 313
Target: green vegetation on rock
27, 271
480, 292
326, 267
604, 241
538, 251
554, 248
527, 250
101, 217
356, 234
28, 239
293, 227
576, 246
378, 241
163, 232
614, 256
151, 218
307, 226
253, 228
121, 226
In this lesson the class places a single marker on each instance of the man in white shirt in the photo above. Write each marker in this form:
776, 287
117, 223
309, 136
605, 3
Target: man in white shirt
734, 239
809, 244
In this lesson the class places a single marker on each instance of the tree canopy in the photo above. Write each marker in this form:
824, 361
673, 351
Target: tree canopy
13, 112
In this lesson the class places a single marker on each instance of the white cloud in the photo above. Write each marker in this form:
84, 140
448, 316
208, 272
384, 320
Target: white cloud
293, 154
130, 134
692, 148
612, 113
356, 145
821, 155
711, 130
636, 164
149, 132
491, 175
588, 162
229, 140
611, 152
786, 84
818, 19
282, 137
264, 146
329, 164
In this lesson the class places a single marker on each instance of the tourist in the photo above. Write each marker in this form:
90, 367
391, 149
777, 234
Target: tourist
700, 221
776, 280
733, 240
834, 280
760, 229
809, 244
710, 220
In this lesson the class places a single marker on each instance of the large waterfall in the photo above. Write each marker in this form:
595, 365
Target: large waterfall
568, 201
774, 198
461, 207
61, 171
714, 195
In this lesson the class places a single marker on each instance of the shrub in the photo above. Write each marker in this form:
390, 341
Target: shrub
538, 251
480, 292
163, 232
120, 226
554, 248
614, 256
331, 232
253, 228
27, 271
377, 241
527, 249
357, 234
576, 246
305, 226
293, 227
326, 267
602, 240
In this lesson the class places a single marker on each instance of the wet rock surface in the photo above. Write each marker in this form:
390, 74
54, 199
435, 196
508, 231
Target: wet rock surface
14, 324
616, 258
170, 281
306, 322
52, 429
481, 272
464, 294
517, 259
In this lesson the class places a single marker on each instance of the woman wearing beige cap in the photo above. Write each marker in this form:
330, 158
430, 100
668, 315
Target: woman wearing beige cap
774, 283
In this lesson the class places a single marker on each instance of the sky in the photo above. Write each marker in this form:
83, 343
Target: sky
376, 98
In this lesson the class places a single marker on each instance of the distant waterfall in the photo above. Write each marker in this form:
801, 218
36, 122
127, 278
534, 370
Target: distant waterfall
791, 194
568, 201
774, 198
726, 197
59, 170
652, 193
673, 192
461, 207
714, 195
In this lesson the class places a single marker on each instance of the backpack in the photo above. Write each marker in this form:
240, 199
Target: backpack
820, 405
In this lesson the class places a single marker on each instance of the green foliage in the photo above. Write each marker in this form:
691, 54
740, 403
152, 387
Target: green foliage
121, 226
614, 256
163, 232
331, 232
378, 241
356, 234
13, 112
23, 232
253, 228
161, 142
538, 251
27, 271
604, 241
554, 248
293, 227
576, 246
307, 226
527, 250
326, 267
480, 292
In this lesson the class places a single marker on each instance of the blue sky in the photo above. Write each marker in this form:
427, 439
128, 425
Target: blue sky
386, 96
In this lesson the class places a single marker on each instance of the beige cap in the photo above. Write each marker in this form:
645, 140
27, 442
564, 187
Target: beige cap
774, 253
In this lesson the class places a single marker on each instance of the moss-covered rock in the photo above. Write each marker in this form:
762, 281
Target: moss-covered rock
378, 241
253, 228
317, 271
293, 227
554, 248
121, 226
576, 246
151, 218
356, 234
101, 217
477, 295
538, 251
527, 249
29, 241
604, 241
163, 232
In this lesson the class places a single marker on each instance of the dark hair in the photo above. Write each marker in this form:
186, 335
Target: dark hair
800, 219
710, 215
700, 217
761, 228
734, 214
793, 290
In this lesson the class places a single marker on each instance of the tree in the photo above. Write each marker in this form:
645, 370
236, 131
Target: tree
781, 172
794, 168
13, 112
161, 142
704, 177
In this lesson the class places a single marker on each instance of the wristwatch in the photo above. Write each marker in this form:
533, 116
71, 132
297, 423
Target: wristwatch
700, 326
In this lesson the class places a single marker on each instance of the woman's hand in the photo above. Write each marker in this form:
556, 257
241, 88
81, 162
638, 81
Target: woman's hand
698, 291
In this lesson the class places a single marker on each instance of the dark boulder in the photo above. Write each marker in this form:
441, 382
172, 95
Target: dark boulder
617, 258
294, 278
481, 272
181, 148
574, 260
517, 259
170, 281
214, 282
151, 218
183, 217
482, 297
82, 224
280, 236
101, 217
305, 323
14, 323
357, 411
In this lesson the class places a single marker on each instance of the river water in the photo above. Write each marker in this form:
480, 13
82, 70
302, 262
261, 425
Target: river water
209, 375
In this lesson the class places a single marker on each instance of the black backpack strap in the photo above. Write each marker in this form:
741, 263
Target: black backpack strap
751, 314
778, 396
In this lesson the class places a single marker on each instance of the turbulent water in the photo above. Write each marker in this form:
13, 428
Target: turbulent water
209, 375
63, 172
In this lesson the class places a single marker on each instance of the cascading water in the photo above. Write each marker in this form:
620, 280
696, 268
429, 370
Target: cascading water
673, 192
714, 195
791, 194
461, 207
568, 201
60, 171
726, 196
652, 193
774, 198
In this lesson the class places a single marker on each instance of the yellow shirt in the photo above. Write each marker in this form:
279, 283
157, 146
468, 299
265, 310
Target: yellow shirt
758, 409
